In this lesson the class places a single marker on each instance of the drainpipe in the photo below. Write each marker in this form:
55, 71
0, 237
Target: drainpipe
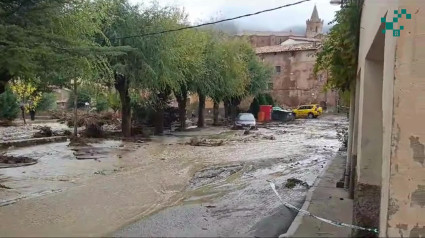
350, 135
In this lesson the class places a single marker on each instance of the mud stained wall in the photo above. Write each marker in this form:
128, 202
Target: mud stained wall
406, 196
367, 200
296, 84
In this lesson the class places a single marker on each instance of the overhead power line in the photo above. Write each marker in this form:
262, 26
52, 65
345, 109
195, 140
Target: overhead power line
215, 22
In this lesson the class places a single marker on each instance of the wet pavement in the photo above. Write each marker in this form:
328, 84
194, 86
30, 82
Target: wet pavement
234, 199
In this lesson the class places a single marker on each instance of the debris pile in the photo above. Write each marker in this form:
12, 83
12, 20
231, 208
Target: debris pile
270, 137
44, 131
107, 118
12, 161
342, 135
95, 123
205, 142
292, 182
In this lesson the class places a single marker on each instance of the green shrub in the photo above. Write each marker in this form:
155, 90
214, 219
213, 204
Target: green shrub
47, 102
83, 97
114, 101
9, 106
268, 99
101, 103
261, 99
265, 99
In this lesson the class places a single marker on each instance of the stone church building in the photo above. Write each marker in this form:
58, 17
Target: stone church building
293, 59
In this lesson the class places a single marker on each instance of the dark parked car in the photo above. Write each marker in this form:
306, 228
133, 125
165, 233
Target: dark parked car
245, 120
284, 115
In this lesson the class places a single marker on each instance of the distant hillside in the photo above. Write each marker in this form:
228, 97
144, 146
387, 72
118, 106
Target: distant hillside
232, 28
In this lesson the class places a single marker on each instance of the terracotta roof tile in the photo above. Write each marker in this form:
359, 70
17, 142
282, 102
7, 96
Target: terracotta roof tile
268, 33
285, 48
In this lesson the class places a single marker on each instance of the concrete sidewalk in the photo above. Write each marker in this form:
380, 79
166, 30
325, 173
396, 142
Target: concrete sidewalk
327, 201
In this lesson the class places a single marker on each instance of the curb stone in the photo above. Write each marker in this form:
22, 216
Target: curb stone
298, 219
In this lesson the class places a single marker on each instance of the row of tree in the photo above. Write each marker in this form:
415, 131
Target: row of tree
108, 43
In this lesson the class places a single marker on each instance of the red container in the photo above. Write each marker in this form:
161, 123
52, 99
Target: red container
267, 109
260, 117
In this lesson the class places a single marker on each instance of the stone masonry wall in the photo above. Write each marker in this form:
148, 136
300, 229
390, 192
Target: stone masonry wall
296, 83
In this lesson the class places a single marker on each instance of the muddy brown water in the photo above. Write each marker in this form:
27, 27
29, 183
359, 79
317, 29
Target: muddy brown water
226, 194
59, 167
230, 196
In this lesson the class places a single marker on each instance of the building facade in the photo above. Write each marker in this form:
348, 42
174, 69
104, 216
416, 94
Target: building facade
387, 136
265, 38
294, 82
293, 60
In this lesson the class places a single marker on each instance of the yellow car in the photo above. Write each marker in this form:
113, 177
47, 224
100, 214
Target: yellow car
309, 111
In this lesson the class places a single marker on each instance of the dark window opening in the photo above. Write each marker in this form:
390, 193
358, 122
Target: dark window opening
278, 69
270, 86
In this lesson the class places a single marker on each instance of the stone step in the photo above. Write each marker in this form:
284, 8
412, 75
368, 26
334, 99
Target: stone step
32, 141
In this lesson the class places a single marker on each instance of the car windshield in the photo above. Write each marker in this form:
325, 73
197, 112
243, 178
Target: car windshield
246, 117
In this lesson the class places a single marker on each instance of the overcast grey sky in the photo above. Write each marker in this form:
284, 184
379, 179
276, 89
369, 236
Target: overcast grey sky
294, 16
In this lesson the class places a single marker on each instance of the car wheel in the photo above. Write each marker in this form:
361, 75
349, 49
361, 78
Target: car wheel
310, 116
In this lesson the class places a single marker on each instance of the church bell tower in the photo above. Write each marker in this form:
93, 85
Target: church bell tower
314, 25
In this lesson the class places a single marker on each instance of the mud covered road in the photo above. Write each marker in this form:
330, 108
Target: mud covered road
167, 187
234, 199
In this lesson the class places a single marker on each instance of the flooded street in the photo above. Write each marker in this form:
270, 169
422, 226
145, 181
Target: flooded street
58, 167
167, 187
234, 198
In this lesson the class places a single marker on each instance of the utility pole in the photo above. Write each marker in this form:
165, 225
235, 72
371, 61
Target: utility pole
74, 81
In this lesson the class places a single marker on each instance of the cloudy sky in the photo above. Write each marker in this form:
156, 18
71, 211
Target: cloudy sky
283, 19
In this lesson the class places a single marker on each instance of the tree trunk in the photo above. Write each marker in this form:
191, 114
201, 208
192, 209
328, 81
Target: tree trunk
216, 112
23, 114
159, 113
5, 77
32, 114
226, 109
234, 103
201, 110
122, 86
159, 121
75, 109
182, 101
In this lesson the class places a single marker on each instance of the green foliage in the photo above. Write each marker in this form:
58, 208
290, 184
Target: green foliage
265, 99
235, 70
27, 93
339, 52
9, 106
143, 111
269, 99
262, 99
345, 98
84, 95
101, 103
52, 40
114, 101
47, 102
